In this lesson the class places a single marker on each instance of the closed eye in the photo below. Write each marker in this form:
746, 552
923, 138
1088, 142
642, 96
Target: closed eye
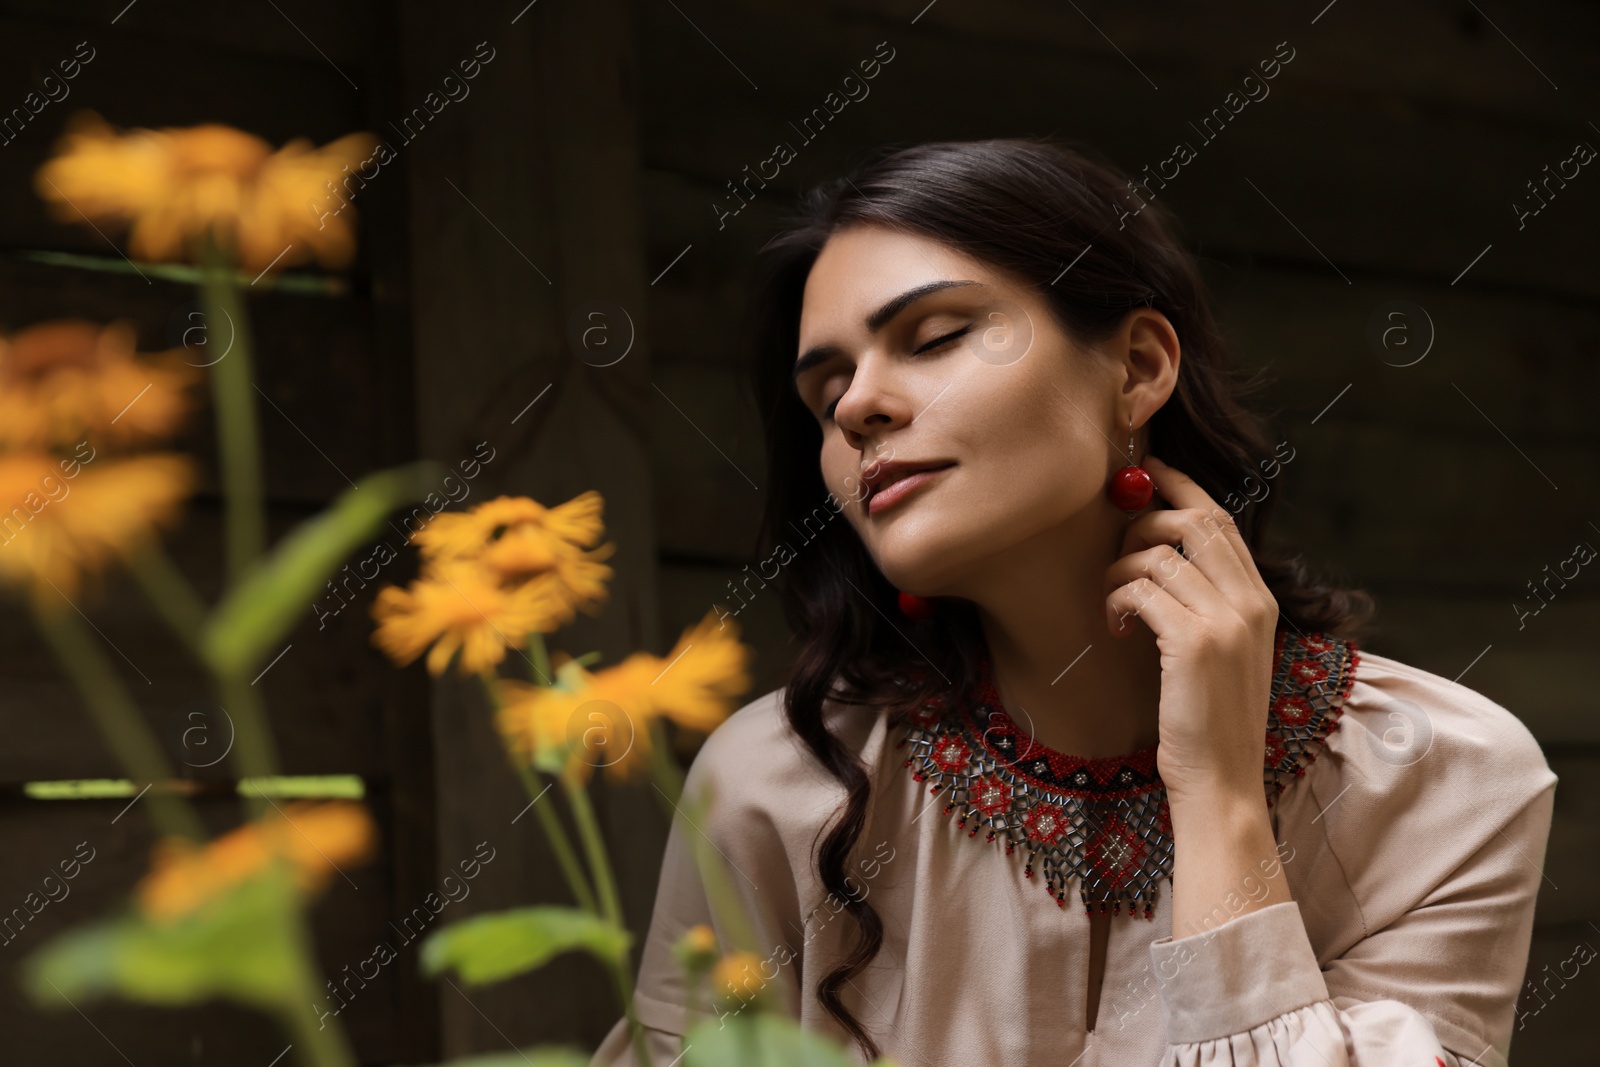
937, 342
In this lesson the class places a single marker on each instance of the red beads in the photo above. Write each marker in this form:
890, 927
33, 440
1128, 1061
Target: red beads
915, 607
1131, 489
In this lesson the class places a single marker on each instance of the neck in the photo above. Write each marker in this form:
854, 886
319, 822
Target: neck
1059, 671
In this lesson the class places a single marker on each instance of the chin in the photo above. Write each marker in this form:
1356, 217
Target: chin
920, 557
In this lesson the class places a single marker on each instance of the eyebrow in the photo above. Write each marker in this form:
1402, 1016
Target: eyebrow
875, 321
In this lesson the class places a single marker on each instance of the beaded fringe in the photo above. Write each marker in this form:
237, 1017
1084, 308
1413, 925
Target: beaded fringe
1105, 822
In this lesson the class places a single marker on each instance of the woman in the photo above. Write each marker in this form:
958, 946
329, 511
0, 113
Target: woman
1017, 666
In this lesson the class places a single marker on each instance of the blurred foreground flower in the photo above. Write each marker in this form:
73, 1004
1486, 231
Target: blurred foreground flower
63, 381
65, 515
493, 576
314, 838
57, 529
464, 535
174, 184
696, 950
219, 920
519, 540
458, 605
586, 717
737, 978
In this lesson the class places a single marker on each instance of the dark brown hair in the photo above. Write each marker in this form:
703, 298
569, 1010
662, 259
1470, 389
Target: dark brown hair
1031, 206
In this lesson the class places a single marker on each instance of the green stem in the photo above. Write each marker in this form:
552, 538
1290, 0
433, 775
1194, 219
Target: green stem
692, 998
540, 657
720, 893
169, 592
322, 1044
560, 844
668, 777
118, 719
238, 441
255, 753
624, 981
595, 848
593, 845
663, 768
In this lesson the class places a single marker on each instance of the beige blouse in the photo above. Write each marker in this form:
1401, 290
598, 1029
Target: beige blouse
1411, 813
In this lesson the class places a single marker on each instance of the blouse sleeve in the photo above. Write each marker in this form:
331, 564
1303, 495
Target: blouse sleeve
1437, 986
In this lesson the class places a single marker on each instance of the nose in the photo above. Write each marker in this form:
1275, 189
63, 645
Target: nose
873, 404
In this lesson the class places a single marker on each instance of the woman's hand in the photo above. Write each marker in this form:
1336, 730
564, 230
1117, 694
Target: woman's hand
1215, 621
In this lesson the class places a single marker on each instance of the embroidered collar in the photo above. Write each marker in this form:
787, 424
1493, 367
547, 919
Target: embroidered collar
1105, 821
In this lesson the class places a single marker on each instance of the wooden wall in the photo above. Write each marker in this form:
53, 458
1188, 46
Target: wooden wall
586, 166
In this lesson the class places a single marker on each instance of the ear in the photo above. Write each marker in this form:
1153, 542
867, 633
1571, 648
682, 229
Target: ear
1149, 351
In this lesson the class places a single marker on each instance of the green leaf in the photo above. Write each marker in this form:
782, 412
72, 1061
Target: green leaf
286, 281
495, 946
277, 590
762, 1039
544, 1056
240, 946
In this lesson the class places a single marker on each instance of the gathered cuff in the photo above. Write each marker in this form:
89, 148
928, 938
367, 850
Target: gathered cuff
1238, 976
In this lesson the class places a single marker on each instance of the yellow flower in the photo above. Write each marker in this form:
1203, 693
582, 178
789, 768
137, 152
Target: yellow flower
519, 541
700, 938
316, 839
58, 527
603, 718
541, 719
694, 685
696, 950
574, 577
62, 382
464, 535
459, 605
737, 978
174, 184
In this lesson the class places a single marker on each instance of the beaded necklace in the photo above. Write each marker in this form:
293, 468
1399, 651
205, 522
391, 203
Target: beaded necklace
1105, 821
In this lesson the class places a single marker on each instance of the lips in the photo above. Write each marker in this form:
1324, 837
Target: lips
908, 475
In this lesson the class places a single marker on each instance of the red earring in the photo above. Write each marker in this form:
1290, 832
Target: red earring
1131, 487
916, 607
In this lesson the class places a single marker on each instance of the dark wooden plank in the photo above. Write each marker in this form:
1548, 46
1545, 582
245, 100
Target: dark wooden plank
1344, 205
525, 214
709, 461
1490, 363
297, 31
1538, 672
1446, 520
406, 740
1452, 58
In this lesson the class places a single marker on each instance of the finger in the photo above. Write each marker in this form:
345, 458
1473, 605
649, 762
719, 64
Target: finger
1143, 599
1203, 542
1164, 565
1184, 492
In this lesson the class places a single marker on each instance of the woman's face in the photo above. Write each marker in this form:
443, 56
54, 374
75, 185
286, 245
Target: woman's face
912, 352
